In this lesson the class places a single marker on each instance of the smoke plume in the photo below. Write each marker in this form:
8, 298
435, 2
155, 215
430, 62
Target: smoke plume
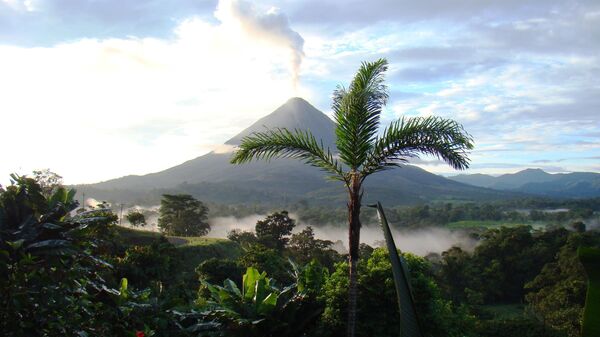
272, 27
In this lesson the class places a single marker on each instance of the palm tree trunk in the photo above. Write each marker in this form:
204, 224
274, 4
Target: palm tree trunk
353, 243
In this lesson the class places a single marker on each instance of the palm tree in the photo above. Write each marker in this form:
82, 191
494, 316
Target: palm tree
360, 150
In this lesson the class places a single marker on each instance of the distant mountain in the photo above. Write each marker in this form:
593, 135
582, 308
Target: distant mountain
539, 182
210, 177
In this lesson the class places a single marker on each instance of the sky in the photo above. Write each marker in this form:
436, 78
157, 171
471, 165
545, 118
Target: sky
98, 89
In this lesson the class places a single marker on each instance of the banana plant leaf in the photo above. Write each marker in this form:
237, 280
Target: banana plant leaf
590, 258
409, 321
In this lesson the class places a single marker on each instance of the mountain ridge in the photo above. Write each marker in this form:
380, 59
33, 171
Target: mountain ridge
211, 176
538, 182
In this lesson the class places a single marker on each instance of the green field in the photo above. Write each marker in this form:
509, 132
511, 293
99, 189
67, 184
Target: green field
492, 224
193, 249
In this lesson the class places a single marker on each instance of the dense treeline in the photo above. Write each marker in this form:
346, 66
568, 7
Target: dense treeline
527, 210
551, 211
77, 274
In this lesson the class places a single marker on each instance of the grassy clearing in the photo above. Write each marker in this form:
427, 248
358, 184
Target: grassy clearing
484, 224
193, 249
137, 236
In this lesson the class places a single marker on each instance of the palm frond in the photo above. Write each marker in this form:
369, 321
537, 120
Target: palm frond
283, 143
357, 111
407, 137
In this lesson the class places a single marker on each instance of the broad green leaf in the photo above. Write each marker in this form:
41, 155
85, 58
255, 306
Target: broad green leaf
261, 290
48, 225
224, 295
123, 288
15, 244
249, 281
231, 286
71, 195
268, 304
49, 244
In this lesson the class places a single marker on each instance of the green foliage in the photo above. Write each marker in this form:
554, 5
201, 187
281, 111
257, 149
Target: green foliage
472, 215
194, 254
521, 326
132, 237
557, 294
216, 270
435, 136
49, 181
59, 280
409, 323
378, 308
357, 113
244, 238
183, 215
283, 143
136, 218
267, 259
304, 247
274, 231
590, 258
578, 226
257, 308
501, 265
157, 262
311, 277
55, 278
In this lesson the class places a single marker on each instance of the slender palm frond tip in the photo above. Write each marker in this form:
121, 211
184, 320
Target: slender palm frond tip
357, 112
283, 143
407, 137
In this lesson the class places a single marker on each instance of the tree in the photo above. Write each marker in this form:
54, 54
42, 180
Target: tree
48, 181
578, 226
557, 294
136, 218
244, 238
360, 150
266, 259
274, 230
304, 247
182, 214
378, 305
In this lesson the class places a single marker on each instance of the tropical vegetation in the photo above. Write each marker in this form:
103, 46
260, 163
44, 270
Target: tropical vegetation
360, 149
73, 273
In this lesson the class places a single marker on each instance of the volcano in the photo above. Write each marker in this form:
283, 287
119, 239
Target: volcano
212, 178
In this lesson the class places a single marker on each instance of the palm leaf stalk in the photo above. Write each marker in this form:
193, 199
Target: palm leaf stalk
409, 321
360, 150
590, 258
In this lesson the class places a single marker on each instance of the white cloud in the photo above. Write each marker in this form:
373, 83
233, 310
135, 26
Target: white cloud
96, 109
22, 5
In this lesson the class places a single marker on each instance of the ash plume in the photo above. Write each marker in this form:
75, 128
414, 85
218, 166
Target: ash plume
271, 26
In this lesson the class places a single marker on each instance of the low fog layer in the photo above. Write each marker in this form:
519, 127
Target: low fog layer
417, 241
420, 241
